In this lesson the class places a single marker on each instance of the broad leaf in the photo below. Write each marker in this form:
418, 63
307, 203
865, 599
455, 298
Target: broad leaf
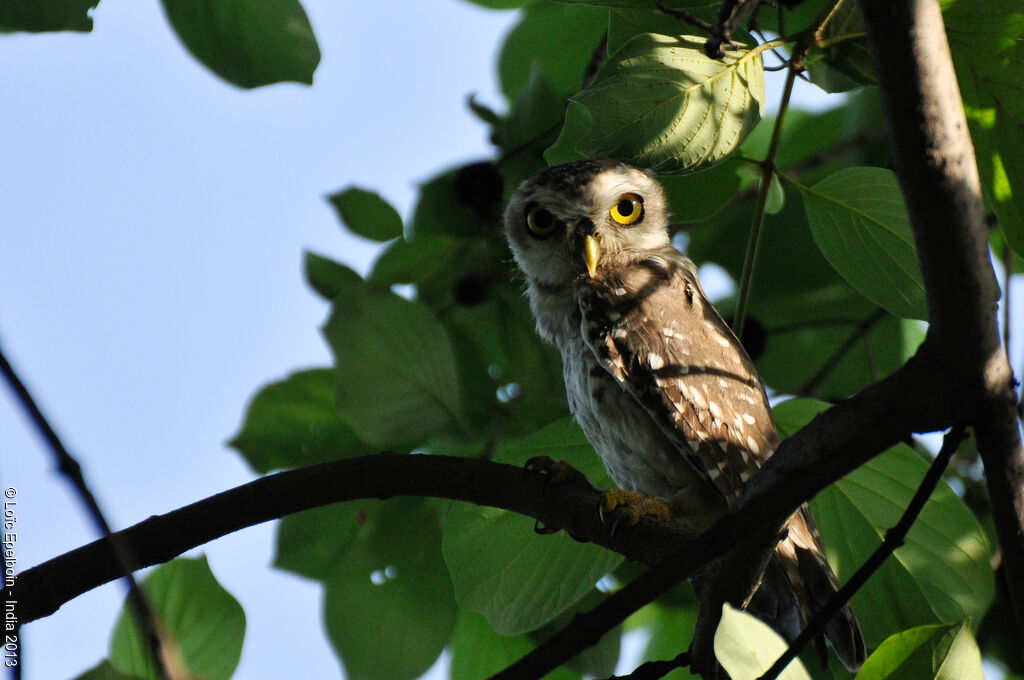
670, 629
861, 226
313, 543
37, 16
388, 608
560, 39
661, 103
201, 623
248, 42
410, 261
367, 214
104, 671
479, 652
843, 61
395, 367
327, 277
294, 422
502, 569
439, 213
746, 647
941, 573
986, 38
699, 195
943, 652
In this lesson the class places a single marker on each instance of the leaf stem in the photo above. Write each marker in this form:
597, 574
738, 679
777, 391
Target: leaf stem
767, 170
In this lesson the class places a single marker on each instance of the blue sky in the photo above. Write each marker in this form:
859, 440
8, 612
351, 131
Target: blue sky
153, 225
153, 222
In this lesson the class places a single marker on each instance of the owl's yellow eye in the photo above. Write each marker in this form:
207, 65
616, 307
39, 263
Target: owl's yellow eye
541, 222
629, 209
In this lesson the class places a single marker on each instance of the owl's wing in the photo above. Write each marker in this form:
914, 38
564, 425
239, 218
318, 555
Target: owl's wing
651, 326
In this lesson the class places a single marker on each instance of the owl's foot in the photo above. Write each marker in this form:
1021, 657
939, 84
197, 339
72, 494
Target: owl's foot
626, 508
556, 472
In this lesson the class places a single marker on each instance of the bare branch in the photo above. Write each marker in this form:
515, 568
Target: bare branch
44, 588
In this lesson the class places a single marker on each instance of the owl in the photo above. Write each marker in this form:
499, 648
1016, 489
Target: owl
656, 379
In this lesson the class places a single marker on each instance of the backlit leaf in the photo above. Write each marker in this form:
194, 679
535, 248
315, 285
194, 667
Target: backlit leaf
201, 623
661, 103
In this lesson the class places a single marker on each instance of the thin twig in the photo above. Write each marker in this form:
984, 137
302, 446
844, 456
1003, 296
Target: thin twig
653, 670
894, 538
861, 331
754, 240
72, 471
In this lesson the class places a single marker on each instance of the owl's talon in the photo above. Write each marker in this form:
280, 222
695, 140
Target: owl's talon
626, 508
557, 471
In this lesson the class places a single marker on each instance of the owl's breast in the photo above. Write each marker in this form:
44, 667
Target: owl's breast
636, 453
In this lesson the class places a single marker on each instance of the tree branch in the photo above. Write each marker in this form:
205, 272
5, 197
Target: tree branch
938, 175
42, 589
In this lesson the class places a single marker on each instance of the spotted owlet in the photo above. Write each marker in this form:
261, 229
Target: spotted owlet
656, 379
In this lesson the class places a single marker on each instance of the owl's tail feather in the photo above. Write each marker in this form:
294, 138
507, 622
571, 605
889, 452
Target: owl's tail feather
802, 557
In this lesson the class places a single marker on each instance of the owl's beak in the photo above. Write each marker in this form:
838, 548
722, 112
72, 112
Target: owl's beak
592, 253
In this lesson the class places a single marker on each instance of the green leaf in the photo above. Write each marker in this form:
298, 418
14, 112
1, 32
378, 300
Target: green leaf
577, 122
314, 542
843, 61
599, 659
502, 569
860, 224
395, 367
746, 647
561, 39
388, 608
479, 652
104, 671
248, 43
670, 629
943, 652
699, 195
294, 422
986, 39
629, 19
367, 214
202, 624
37, 16
941, 573
438, 213
327, 277
661, 103
410, 261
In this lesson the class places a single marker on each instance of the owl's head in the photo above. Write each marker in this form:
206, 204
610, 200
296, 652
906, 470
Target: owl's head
562, 221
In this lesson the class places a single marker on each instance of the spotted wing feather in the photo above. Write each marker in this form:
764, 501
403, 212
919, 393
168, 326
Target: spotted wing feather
651, 326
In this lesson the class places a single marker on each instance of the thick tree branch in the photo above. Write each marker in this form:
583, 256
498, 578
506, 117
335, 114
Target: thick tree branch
939, 178
44, 588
